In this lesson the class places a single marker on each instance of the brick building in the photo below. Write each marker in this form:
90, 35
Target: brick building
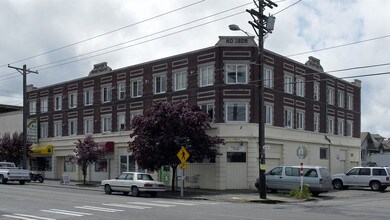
304, 105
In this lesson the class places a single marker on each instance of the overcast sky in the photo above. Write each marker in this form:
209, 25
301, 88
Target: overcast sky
62, 39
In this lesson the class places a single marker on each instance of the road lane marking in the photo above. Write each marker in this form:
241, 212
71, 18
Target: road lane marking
18, 217
175, 203
33, 217
126, 206
151, 204
66, 212
99, 209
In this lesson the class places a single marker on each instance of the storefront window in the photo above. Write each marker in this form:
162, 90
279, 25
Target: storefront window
101, 166
128, 164
41, 164
69, 167
236, 157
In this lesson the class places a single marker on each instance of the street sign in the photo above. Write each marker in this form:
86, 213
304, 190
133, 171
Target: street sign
266, 147
183, 166
301, 152
183, 154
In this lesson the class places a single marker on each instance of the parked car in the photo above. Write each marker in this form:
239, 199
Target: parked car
378, 178
9, 172
317, 178
133, 182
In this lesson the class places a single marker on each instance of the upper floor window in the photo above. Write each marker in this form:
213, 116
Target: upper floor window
209, 109
121, 122
106, 123
57, 129
316, 92
236, 73
72, 100
133, 114
340, 126
331, 96
72, 127
341, 99
269, 112
288, 83
121, 91
330, 127
57, 102
44, 105
236, 112
88, 125
288, 118
136, 88
33, 107
179, 81
350, 101
300, 84
316, 122
106, 93
268, 77
300, 120
349, 128
160, 84
206, 76
44, 130
88, 97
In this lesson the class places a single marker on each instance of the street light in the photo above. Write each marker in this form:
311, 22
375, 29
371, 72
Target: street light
234, 27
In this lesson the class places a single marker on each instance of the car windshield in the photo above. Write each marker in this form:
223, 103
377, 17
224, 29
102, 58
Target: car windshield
7, 165
144, 177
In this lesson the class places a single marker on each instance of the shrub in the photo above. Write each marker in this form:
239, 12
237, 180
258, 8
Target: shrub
300, 194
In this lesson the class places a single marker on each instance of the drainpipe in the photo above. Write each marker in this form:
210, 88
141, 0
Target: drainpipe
329, 159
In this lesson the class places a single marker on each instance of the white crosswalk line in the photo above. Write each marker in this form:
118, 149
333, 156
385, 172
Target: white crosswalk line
175, 203
151, 204
99, 209
126, 206
18, 217
34, 217
66, 212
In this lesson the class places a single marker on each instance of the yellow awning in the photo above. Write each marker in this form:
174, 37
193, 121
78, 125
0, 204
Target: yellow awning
42, 150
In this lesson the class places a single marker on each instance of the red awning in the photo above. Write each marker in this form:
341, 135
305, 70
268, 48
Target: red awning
109, 146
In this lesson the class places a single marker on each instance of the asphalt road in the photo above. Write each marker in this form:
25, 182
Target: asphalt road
39, 202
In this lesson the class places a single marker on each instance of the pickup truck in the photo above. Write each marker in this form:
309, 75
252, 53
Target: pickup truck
9, 172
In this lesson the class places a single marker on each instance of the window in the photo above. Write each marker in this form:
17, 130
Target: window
121, 90
316, 92
160, 84
57, 103
288, 83
44, 105
106, 93
101, 165
300, 120
268, 77
121, 122
350, 101
236, 73
57, 128
236, 112
72, 100
69, 167
72, 127
88, 97
206, 76
330, 125
340, 127
330, 96
180, 81
269, 111
209, 109
44, 130
88, 125
134, 114
300, 84
316, 122
136, 88
288, 118
33, 107
324, 153
379, 172
277, 171
292, 171
349, 128
341, 99
365, 171
106, 124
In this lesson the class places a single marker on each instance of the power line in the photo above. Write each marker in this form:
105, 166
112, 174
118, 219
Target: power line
287, 7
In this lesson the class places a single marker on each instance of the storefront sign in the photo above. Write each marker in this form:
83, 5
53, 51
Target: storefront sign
42, 150
32, 130
236, 149
236, 41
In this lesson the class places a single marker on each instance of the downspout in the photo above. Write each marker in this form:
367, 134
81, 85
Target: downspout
329, 159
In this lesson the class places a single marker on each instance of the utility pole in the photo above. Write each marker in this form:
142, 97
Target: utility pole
262, 25
24, 71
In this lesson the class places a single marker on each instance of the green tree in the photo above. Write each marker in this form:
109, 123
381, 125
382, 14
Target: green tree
87, 152
11, 148
155, 134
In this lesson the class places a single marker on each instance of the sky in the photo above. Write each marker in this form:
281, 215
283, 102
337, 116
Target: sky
63, 39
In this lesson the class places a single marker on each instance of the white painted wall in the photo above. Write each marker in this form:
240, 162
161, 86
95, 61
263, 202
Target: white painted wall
11, 122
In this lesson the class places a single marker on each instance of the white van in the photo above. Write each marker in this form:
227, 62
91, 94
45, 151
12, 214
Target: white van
317, 178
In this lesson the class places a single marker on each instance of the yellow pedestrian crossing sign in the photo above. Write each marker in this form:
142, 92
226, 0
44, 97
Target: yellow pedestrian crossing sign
183, 154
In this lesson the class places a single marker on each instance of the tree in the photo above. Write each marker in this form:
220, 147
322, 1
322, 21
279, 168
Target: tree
87, 152
11, 148
164, 123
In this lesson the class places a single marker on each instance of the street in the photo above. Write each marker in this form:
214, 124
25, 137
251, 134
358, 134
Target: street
39, 202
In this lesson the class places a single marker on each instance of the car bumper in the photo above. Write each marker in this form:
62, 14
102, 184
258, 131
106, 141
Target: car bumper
150, 189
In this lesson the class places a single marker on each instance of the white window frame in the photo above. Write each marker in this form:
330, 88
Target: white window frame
121, 121
234, 70
316, 91
289, 83
269, 113
180, 80
44, 104
160, 83
44, 128
330, 125
72, 99
268, 77
57, 126
232, 104
88, 125
57, 102
106, 93
72, 127
340, 127
300, 119
88, 97
207, 107
206, 75
316, 122
300, 86
136, 88
288, 117
341, 99
106, 123
330, 95
121, 90
350, 101
349, 128
33, 106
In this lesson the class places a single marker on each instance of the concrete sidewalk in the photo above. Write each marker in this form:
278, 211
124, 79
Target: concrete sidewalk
195, 194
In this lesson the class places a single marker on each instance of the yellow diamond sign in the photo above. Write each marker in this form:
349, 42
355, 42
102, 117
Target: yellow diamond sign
183, 154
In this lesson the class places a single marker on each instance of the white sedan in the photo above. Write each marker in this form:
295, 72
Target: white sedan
133, 182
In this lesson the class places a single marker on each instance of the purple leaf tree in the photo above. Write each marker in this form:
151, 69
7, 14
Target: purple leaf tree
11, 148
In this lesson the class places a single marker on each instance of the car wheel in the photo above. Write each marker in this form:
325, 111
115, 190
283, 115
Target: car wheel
125, 193
375, 185
153, 194
3, 180
22, 182
135, 191
107, 189
338, 184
